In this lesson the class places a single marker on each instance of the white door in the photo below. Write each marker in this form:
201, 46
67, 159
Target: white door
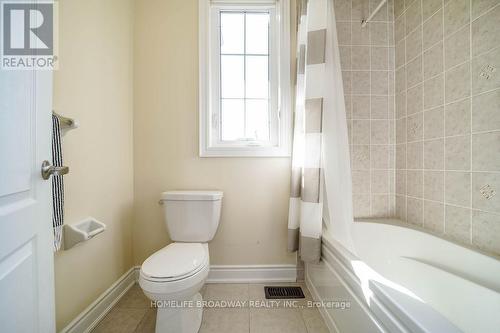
26, 255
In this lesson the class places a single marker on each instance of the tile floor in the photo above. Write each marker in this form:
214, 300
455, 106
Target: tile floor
133, 313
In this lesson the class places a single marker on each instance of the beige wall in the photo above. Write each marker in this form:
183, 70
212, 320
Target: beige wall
255, 206
94, 85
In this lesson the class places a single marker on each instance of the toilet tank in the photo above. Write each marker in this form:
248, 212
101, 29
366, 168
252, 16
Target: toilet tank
192, 216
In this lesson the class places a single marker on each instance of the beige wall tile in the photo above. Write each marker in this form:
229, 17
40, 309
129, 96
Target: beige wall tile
360, 107
361, 131
414, 72
458, 188
379, 107
434, 216
457, 118
361, 82
400, 53
415, 183
486, 231
380, 205
400, 80
481, 6
401, 182
360, 58
380, 181
434, 154
413, 44
458, 223
433, 61
344, 33
379, 83
346, 80
485, 111
413, 16
434, 123
361, 205
359, 35
400, 105
433, 30
414, 100
485, 191
342, 10
399, 7
458, 83
415, 155
380, 58
359, 10
456, 14
379, 132
457, 153
429, 7
361, 181
378, 33
401, 130
415, 211
433, 92
401, 207
415, 127
457, 47
399, 28
486, 151
345, 57
434, 185
361, 157
401, 156
486, 32
485, 72
380, 156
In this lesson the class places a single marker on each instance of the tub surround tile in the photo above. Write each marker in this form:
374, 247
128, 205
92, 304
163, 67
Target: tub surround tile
415, 211
457, 83
434, 123
380, 107
486, 231
361, 157
457, 47
485, 111
413, 16
433, 30
380, 205
457, 118
361, 107
415, 127
486, 32
413, 44
433, 92
434, 185
481, 6
434, 154
457, 153
414, 100
360, 181
486, 191
414, 72
456, 14
458, 188
486, 151
415, 183
486, 72
458, 223
433, 61
360, 58
380, 58
434, 216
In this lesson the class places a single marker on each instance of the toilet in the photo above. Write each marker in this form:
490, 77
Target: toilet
173, 276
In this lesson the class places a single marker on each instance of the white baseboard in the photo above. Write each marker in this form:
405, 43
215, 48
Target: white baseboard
252, 273
95, 312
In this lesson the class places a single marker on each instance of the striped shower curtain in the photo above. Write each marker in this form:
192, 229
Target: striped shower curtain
305, 211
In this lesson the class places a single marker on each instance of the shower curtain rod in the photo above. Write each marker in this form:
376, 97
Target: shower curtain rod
365, 21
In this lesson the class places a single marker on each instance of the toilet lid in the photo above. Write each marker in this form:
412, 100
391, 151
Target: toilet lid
175, 260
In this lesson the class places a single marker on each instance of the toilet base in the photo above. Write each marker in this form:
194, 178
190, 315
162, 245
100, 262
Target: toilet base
177, 319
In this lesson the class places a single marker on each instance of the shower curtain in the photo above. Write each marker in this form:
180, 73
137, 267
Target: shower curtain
320, 156
305, 211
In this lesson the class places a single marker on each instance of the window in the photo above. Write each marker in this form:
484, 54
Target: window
244, 78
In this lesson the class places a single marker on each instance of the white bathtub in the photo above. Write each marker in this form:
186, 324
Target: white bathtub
400, 279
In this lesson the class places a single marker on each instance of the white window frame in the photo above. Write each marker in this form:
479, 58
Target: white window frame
280, 113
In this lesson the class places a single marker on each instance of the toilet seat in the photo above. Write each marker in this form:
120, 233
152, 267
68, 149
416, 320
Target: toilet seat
176, 261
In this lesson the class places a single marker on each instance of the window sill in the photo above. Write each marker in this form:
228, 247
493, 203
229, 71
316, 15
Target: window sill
244, 152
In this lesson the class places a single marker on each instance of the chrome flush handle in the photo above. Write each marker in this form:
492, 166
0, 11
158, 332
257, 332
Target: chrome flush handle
50, 170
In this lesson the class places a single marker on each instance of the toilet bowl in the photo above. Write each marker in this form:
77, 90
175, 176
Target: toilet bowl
173, 276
